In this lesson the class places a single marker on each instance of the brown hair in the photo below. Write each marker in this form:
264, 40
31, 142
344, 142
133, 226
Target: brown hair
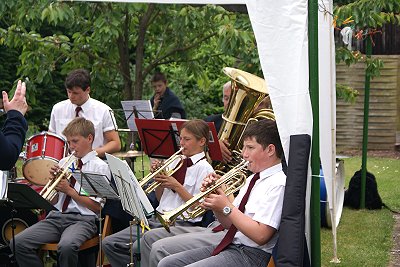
79, 126
158, 76
78, 78
199, 129
265, 132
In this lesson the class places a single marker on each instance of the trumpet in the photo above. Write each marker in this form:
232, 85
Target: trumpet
234, 180
48, 192
162, 170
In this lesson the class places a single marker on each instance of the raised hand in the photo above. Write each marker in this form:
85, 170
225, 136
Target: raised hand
18, 102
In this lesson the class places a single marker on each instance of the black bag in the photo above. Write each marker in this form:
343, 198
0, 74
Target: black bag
352, 195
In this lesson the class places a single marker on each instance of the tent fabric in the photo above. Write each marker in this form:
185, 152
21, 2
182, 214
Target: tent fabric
291, 245
280, 28
281, 31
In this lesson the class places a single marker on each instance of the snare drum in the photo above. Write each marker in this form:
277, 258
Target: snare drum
42, 152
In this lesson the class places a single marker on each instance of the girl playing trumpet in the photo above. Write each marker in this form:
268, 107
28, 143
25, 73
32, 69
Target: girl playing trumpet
173, 191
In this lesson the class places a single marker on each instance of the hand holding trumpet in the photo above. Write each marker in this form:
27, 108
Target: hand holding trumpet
64, 185
165, 181
216, 200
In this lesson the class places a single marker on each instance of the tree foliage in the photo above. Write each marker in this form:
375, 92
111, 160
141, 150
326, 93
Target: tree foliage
123, 44
364, 17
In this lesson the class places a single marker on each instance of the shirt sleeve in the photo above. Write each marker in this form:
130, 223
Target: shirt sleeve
12, 138
52, 124
270, 207
109, 122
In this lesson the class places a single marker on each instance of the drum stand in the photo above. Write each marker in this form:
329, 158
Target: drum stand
8, 202
137, 254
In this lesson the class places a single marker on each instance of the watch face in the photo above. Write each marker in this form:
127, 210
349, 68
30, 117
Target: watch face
226, 210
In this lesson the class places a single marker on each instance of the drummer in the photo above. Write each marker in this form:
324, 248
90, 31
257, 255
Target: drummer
80, 104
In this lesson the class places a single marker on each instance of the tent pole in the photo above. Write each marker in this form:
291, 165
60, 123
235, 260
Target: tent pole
315, 215
368, 53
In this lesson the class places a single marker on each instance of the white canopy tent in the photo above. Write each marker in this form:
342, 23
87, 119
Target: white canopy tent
281, 30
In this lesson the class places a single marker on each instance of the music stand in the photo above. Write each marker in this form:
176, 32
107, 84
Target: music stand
136, 109
160, 138
133, 199
95, 185
23, 196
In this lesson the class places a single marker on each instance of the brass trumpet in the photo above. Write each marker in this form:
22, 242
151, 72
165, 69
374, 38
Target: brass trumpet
48, 192
162, 170
234, 180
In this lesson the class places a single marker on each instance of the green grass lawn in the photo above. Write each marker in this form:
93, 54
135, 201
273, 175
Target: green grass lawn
365, 236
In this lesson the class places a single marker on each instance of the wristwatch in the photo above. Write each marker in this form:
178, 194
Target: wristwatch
226, 210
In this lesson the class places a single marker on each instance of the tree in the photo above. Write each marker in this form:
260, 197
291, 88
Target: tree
123, 44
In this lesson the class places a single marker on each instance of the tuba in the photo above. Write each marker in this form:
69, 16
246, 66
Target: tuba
247, 93
148, 181
48, 192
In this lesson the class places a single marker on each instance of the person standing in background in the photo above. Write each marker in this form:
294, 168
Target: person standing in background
165, 100
80, 104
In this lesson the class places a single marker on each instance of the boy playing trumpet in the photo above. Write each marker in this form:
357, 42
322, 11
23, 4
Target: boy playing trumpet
253, 218
74, 221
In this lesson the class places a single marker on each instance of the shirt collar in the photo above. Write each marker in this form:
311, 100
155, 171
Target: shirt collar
89, 156
271, 171
85, 105
195, 158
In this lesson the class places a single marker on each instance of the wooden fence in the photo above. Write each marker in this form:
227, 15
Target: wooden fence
384, 106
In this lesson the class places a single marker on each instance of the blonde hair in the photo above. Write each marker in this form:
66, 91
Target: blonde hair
79, 126
199, 129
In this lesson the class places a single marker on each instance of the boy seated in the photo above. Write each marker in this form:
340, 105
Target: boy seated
253, 218
74, 221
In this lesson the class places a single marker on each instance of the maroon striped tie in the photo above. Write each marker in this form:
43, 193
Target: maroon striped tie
228, 238
72, 184
77, 110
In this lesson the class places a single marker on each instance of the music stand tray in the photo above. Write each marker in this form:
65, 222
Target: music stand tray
95, 185
23, 196
133, 199
160, 138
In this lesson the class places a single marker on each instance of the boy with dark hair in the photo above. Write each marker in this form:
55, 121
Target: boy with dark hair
253, 218
165, 100
74, 221
80, 104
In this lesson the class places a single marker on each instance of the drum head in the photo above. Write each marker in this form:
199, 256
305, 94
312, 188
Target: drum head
22, 220
37, 171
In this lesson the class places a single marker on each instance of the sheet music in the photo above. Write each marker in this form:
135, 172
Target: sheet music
95, 185
129, 188
143, 109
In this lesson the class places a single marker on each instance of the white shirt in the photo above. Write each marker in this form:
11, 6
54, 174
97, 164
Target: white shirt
91, 164
97, 112
264, 204
193, 178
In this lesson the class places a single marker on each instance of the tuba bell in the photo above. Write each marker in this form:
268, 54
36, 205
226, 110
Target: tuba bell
247, 93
